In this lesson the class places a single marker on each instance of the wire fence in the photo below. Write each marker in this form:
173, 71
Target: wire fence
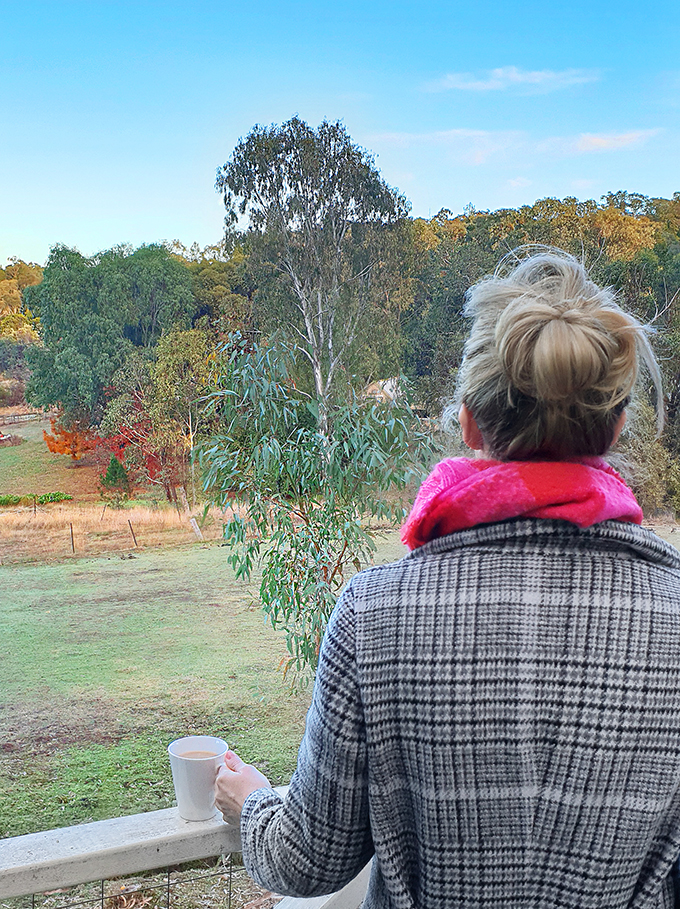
218, 883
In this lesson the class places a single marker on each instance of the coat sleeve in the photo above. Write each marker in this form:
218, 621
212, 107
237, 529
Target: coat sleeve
318, 838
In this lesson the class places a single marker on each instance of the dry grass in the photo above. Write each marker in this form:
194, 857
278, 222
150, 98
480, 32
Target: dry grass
45, 533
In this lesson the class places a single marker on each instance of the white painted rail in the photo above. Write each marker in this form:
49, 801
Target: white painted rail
113, 848
10, 418
76, 855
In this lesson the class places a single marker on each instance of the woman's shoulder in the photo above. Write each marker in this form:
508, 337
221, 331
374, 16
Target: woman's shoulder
530, 542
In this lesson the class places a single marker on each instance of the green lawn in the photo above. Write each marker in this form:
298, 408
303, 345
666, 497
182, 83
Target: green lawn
107, 660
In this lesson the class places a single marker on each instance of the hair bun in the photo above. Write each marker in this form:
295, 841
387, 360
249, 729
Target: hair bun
556, 352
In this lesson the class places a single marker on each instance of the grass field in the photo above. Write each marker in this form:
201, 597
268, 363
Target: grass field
107, 660
66, 530
111, 659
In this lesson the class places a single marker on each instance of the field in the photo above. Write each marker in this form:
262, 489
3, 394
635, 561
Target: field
84, 526
66, 530
110, 659
31, 468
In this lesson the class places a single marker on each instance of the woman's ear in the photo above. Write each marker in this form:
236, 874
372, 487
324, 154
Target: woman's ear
471, 434
620, 423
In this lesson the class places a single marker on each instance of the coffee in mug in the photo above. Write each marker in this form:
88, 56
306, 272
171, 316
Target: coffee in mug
198, 754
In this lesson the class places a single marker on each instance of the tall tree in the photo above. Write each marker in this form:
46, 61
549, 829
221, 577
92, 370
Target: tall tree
155, 411
82, 339
318, 211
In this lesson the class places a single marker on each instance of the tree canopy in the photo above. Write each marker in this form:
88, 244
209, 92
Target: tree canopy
92, 312
18, 325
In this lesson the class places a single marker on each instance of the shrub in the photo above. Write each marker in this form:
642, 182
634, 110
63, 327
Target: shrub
12, 392
53, 497
44, 499
674, 485
645, 462
10, 440
114, 485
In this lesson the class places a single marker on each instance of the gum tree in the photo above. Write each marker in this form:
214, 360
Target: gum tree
319, 215
303, 506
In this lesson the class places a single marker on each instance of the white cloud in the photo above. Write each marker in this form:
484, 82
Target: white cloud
588, 143
544, 80
477, 146
467, 146
519, 182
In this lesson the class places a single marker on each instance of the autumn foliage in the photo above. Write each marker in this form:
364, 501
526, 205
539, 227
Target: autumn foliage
74, 442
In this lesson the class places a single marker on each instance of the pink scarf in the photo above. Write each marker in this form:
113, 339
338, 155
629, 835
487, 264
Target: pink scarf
461, 493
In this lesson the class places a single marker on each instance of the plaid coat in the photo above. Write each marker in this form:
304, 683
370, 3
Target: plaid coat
497, 718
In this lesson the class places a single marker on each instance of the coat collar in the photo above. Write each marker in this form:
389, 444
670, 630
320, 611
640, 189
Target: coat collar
544, 534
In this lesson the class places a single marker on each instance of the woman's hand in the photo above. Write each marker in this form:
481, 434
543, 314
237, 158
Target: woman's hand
235, 781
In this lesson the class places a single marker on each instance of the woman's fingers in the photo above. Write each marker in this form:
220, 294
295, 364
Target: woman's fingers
233, 761
235, 781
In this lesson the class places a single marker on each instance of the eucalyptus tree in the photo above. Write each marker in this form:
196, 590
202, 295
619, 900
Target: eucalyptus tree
320, 215
94, 311
304, 507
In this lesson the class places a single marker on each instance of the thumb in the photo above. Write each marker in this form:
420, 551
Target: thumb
233, 761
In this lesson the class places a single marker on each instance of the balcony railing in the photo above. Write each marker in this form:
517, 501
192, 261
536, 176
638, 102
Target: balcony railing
57, 859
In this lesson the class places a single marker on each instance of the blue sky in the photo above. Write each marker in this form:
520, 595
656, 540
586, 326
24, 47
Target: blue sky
117, 114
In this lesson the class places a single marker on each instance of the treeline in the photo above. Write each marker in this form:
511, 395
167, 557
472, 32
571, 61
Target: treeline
18, 327
628, 241
123, 342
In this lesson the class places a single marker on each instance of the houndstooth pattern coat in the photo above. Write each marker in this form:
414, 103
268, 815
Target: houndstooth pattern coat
497, 718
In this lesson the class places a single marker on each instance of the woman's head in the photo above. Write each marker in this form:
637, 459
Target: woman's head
550, 361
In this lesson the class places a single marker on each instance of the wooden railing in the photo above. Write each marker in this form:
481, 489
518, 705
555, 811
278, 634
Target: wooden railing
9, 418
56, 859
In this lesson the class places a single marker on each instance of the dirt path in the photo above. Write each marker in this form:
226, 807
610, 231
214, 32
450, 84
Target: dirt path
667, 529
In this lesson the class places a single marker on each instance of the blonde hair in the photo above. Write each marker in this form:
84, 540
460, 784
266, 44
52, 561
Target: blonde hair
551, 359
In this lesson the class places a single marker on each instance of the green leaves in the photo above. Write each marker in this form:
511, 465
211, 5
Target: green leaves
298, 501
93, 313
114, 485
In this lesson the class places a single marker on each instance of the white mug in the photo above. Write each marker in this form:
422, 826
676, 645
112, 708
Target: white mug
194, 761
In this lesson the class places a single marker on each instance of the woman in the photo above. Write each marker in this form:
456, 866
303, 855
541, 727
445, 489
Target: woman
496, 717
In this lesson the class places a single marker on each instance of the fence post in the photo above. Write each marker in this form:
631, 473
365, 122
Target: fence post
132, 532
196, 528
